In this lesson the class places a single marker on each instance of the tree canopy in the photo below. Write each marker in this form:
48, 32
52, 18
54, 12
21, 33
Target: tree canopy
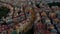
54, 4
3, 11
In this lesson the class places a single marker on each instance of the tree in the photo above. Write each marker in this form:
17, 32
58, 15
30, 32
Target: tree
3, 11
54, 4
